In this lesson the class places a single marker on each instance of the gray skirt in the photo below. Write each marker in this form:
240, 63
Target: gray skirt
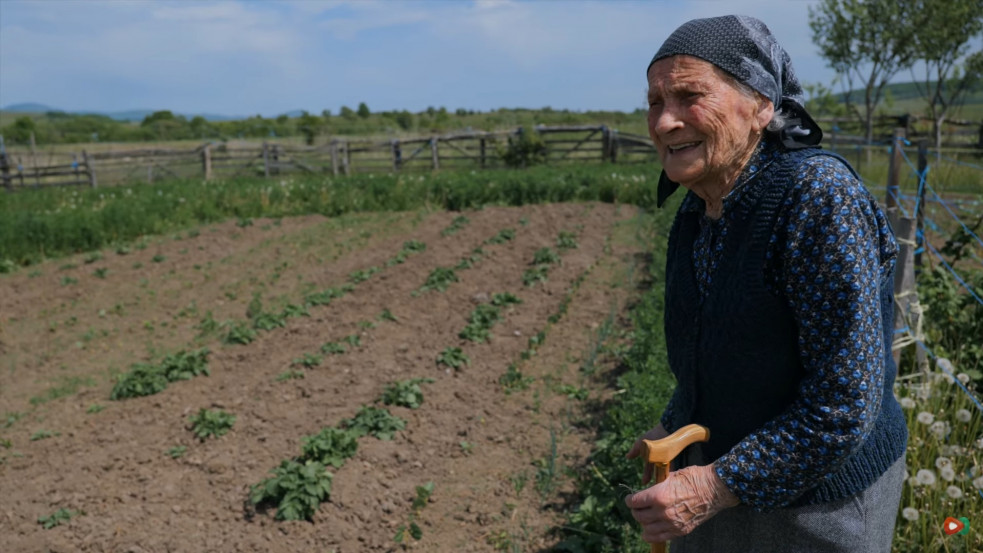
861, 523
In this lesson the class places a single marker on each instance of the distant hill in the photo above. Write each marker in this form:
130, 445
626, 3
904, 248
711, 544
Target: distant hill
129, 115
29, 108
906, 99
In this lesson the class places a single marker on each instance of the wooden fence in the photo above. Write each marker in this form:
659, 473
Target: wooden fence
463, 150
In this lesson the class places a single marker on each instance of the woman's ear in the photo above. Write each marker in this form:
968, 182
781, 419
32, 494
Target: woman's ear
765, 111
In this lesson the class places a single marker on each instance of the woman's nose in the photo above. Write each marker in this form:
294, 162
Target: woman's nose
664, 120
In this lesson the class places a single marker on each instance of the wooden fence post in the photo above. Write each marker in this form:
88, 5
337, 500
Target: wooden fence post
435, 160
894, 169
905, 296
5, 167
397, 155
346, 159
206, 161
90, 169
482, 148
266, 160
334, 156
920, 205
34, 163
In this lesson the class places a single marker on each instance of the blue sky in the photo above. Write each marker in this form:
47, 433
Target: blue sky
240, 57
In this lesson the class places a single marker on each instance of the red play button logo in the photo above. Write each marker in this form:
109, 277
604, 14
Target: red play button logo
952, 526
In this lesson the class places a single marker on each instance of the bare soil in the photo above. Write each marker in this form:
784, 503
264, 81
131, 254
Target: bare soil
502, 464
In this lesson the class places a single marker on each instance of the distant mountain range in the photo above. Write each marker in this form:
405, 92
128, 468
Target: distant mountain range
129, 115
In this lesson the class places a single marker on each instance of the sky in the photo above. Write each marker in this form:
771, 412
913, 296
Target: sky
248, 57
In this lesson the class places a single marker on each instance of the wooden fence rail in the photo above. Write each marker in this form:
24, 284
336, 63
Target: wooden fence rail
460, 150
346, 156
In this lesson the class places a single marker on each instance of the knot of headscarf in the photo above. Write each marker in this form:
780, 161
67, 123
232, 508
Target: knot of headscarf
745, 48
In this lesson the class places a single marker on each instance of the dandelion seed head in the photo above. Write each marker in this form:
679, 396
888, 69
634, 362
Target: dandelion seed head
910, 514
947, 474
939, 429
944, 364
907, 403
978, 483
963, 415
954, 492
925, 477
925, 417
942, 462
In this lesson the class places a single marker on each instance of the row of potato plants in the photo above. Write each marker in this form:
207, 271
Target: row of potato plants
299, 484
145, 379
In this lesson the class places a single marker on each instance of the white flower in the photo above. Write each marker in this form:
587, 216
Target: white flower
913, 482
944, 364
979, 443
925, 417
978, 483
963, 377
925, 477
947, 474
910, 513
963, 415
939, 429
942, 462
907, 403
954, 492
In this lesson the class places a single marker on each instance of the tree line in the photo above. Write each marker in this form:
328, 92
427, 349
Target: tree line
60, 127
869, 42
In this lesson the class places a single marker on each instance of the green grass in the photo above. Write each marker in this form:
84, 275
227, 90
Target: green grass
58, 221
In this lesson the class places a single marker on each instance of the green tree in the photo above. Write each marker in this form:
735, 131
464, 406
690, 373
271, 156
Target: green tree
866, 42
20, 130
310, 126
951, 69
363, 111
347, 113
199, 127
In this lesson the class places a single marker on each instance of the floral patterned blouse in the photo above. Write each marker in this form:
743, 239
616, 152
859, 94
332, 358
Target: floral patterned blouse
829, 229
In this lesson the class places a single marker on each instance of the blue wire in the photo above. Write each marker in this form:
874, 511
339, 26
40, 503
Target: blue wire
946, 206
957, 162
947, 266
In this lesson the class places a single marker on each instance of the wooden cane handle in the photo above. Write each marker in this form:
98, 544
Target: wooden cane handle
661, 453
665, 450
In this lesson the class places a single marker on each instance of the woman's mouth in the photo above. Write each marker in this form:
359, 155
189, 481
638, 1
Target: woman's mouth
681, 147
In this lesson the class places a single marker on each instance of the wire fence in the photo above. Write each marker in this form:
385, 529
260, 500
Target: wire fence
925, 194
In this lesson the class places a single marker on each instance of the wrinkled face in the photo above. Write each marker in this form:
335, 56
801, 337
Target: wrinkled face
703, 127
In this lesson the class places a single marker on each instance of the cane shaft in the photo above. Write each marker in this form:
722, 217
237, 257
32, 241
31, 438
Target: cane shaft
661, 473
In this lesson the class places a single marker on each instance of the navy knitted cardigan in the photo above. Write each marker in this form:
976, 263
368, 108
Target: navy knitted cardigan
735, 355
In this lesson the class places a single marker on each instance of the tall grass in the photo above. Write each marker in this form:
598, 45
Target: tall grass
53, 222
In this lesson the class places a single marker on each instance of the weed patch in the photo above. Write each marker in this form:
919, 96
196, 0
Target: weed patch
57, 518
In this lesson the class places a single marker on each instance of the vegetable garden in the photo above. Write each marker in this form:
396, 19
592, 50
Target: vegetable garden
442, 362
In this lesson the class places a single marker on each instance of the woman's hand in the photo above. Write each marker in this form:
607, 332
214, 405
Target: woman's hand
686, 499
656, 433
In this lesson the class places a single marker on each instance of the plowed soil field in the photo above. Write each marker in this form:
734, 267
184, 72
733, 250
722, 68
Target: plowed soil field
502, 460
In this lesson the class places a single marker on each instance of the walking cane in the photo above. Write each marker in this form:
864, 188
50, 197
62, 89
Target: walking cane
661, 453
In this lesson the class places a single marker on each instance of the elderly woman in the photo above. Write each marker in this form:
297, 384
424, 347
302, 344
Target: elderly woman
778, 313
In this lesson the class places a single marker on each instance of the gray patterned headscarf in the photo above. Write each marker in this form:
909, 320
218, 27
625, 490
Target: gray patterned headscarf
745, 48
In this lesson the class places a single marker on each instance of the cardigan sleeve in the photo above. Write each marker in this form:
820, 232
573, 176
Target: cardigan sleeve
831, 249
